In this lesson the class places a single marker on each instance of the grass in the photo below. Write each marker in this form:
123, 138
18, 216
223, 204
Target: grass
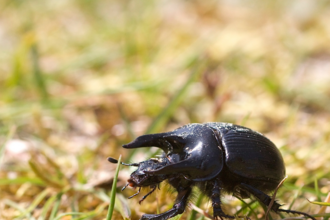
113, 192
80, 78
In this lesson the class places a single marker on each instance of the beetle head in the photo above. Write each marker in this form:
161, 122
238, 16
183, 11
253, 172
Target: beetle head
141, 177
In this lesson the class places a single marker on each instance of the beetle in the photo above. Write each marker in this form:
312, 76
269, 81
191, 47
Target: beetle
216, 157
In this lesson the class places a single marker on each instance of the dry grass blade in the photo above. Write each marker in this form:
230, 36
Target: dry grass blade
122, 206
273, 197
44, 176
201, 211
59, 174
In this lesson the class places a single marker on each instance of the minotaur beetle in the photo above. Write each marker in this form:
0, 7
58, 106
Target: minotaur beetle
217, 158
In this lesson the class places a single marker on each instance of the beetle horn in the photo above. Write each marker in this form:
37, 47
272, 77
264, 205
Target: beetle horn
151, 140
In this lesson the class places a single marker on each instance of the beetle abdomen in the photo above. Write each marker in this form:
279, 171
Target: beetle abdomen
250, 154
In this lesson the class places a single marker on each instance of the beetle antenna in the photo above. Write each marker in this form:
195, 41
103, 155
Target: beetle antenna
113, 160
124, 187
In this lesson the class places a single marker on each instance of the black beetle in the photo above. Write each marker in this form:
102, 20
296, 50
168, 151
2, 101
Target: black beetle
217, 158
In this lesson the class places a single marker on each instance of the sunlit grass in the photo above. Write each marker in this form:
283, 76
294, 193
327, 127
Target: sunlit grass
80, 78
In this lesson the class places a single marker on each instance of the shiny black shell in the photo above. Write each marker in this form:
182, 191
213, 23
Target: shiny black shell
200, 152
248, 153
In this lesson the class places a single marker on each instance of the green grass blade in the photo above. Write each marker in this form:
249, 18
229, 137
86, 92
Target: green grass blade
92, 214
21, 180
81, 178
73, 204
113, 192
198, 203
171, 106
317, 189
35, 202
245, 119
68, 214
177, 217
37, 74
46, 207
248, 205
18, 207
304, 189
56, 206
320, 203
295, 197
174, 102
322, 215
128, 125
101, 194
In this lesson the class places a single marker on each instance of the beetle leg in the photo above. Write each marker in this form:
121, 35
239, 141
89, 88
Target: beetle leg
135, 194
296, 212
216, 202
265, 199
178, 208
145, 196
261, 196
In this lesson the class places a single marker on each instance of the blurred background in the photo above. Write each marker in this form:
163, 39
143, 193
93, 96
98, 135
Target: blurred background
79, 78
